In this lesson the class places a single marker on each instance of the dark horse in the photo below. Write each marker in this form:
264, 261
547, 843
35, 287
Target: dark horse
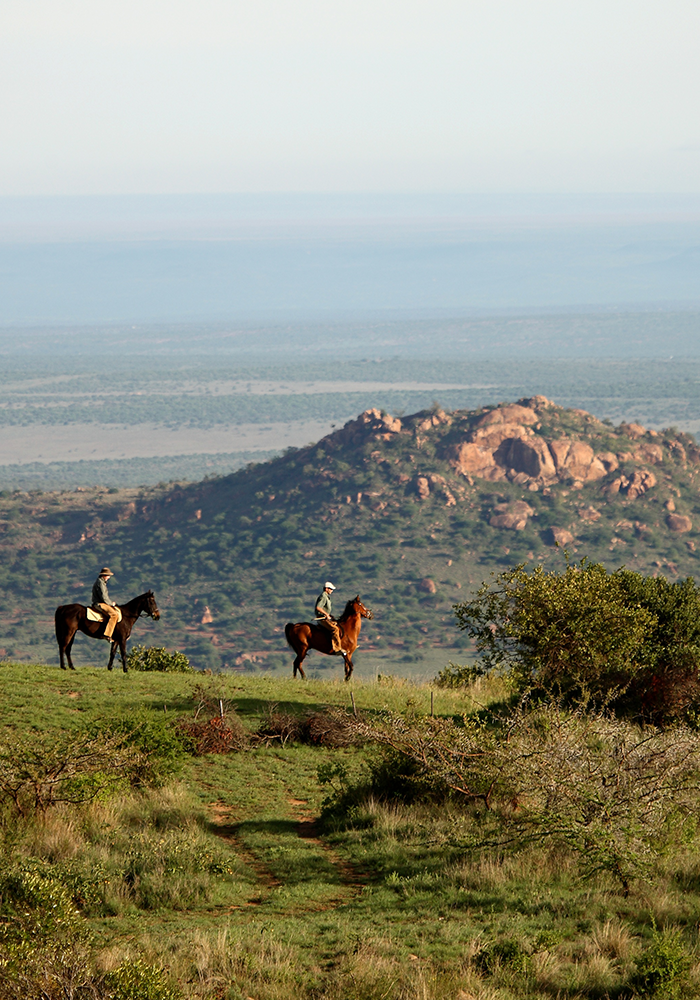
72, 618
305, 636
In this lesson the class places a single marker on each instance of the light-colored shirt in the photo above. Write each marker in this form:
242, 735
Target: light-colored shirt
323, 603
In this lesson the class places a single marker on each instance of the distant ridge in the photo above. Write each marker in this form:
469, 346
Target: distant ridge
410, 511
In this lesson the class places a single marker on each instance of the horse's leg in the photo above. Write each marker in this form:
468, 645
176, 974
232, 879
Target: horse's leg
112, 653
348, 667
122, 650
69, 646
300, 657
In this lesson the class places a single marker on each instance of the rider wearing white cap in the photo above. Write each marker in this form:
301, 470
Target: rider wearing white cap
324, 617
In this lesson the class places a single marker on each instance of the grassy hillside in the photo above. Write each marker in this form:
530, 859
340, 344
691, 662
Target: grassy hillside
410, 512
223, 876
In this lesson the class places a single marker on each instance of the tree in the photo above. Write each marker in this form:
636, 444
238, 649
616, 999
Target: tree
587, 628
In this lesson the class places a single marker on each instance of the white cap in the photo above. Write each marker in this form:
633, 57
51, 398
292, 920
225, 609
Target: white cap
328, 585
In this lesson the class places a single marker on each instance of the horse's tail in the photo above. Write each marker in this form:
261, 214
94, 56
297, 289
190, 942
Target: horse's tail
288, 629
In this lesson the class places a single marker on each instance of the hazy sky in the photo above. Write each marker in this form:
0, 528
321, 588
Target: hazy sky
111, 96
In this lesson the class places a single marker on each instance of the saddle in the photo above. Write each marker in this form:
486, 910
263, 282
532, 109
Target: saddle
97, 616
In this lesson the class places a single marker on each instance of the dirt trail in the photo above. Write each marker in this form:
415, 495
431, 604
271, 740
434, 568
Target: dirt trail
307, 828
223, 828
351, 879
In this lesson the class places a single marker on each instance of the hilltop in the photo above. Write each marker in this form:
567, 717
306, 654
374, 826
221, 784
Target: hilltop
411, 511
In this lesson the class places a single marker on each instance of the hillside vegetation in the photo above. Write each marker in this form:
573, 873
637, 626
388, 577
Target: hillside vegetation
169, 836
411, 512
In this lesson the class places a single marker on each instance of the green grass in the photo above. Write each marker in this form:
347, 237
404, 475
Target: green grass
227, 879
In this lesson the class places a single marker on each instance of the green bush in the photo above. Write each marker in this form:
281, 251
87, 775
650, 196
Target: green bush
662, 970
161, 746
39, 770
456, 675
34, 907
621, 635
136, 980
499, 954
159, 659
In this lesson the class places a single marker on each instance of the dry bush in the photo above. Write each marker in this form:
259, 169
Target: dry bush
55, 835
600, 787
331, 727
37, 771
215, 727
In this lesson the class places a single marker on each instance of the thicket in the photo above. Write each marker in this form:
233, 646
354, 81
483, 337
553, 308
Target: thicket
619, 636
158, 658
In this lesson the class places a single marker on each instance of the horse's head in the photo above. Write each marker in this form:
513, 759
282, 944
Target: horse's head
151, 607
359, 606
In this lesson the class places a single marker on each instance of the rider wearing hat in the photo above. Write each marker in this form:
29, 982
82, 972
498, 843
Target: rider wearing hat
324, 617
102, 602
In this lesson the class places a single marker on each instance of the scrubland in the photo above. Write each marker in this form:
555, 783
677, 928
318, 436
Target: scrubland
179, 835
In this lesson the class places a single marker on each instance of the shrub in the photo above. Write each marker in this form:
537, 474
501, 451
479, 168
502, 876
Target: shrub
662, 970
558, 630
34, 907
160, 747
507, 953
615, 634
456, 675
136, 980
159, 659
598, 786
37, 771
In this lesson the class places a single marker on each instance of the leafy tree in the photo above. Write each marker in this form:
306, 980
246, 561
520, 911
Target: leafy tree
557, 629
589, 628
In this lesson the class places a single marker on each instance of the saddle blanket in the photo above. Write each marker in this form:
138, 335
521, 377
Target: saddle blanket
97, 616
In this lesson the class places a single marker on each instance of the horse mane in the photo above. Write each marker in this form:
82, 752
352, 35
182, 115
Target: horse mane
131, 605
349, 608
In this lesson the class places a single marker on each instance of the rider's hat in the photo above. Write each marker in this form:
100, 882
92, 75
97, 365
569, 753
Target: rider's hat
106, 571
328, 585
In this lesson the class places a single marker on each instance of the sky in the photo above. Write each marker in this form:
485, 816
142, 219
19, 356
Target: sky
102, 97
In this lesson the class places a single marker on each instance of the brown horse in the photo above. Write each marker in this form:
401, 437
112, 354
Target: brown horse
305, 636
72, 618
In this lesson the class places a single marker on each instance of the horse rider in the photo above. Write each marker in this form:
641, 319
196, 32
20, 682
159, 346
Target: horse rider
324, 618
102, 602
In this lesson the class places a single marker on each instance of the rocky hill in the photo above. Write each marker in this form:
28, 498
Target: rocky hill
411, 512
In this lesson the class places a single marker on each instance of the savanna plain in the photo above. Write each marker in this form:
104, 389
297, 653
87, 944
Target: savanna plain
186, 835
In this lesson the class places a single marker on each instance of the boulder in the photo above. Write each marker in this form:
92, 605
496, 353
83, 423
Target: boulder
679, 523
639, 482
512, 413
633, 431
513, 516
589, 514
493, 437
609, 460
560, 536
470, 459
670, 505
651, 453
437, 418
372, 423
577, 460
531, 456
427, 585
422, 487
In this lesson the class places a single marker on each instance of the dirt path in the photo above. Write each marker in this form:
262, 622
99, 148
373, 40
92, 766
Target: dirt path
227, 831
350, 880
307, 828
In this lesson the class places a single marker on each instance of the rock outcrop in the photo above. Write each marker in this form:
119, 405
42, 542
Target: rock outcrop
679, 523
509, 443
560, 536
513, 516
